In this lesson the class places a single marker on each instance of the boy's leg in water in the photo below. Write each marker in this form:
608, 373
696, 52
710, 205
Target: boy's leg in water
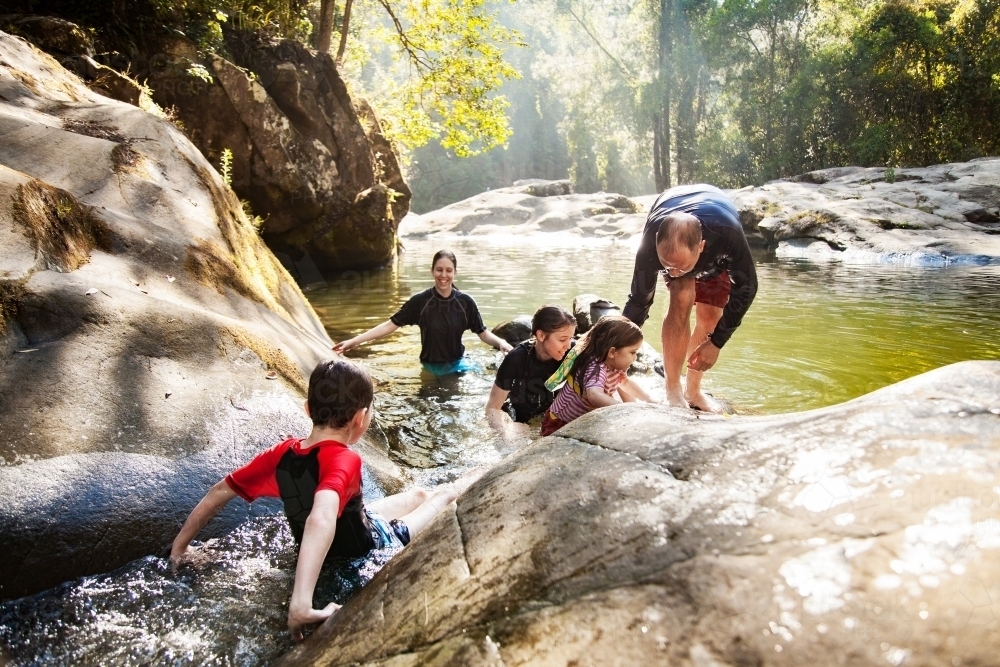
399, 505
419, 518
706, 317
440, 498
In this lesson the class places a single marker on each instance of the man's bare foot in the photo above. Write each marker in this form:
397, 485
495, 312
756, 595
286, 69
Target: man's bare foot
702, 401
675, 397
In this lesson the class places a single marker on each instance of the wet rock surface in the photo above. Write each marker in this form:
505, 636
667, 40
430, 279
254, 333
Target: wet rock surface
862, 533
149, 340
514, 331
588, 308
310, 160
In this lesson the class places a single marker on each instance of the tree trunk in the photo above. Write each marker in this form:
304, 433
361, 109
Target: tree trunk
345, 25
326, 8
661, 118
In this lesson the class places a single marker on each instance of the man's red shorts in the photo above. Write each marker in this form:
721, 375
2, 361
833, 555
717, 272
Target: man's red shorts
713, 291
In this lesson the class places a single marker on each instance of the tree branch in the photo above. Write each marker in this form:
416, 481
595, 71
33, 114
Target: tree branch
629, 77
411, 50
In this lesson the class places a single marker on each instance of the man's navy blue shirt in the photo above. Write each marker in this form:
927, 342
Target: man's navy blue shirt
726, 249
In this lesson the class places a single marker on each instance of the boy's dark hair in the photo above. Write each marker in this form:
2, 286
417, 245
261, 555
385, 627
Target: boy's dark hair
611, 331
551, 318
444, 253
337, 390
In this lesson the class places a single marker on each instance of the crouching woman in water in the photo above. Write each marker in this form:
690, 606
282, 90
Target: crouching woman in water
319, 481
443, 313
519, 393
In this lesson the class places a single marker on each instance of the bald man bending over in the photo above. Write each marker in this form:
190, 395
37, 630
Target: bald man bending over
694, 239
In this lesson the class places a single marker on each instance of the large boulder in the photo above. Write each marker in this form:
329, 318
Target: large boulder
514, 331
864, 534
311, 162
937, 215
149, 340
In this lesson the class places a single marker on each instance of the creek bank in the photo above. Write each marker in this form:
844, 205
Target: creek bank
931, 216
149, 340
647, 535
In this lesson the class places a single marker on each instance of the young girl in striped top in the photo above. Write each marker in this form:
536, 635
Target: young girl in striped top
596, 376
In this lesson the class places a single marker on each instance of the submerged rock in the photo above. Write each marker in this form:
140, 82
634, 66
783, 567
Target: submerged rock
149, 340
310, 160
862, 533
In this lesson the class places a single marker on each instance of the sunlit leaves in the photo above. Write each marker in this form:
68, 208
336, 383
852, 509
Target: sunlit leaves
447, 64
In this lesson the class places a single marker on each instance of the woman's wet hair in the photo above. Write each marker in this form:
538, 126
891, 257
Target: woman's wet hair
444, 253
611, 331
337, 390
551, 318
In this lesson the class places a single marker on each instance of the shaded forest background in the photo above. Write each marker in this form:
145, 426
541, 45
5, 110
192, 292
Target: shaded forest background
626, 96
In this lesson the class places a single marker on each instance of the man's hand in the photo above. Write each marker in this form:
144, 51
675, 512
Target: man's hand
704, 356
299, 619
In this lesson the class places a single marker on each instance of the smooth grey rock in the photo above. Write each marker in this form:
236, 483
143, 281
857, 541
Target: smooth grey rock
931, 216
141, 319
864, 533
538, 187
532, 207
514, 331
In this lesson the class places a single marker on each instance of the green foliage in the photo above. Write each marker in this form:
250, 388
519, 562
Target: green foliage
445, 63
199, 71
226, 166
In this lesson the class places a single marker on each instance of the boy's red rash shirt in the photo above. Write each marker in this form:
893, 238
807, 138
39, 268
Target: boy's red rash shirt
339, 470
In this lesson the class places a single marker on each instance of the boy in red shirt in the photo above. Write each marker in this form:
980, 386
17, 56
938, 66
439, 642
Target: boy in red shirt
319, 482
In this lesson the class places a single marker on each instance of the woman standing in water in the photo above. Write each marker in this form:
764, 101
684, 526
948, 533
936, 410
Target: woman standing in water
443, 313
519, 393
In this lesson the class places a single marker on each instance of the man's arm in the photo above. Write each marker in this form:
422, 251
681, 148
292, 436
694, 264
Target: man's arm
644, 276
744, 276
213, 502
321, 525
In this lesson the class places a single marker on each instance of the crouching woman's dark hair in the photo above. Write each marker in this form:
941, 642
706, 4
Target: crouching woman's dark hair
551, 318
337, 390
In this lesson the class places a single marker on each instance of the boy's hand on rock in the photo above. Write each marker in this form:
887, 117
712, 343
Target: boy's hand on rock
299, 619
190, 555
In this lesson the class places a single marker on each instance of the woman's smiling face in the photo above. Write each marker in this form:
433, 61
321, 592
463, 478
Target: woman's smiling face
444, 275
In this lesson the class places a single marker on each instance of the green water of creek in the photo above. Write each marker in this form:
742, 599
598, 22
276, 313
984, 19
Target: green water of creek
816, 335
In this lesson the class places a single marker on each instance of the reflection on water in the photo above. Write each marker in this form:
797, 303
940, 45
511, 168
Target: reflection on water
817, 335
